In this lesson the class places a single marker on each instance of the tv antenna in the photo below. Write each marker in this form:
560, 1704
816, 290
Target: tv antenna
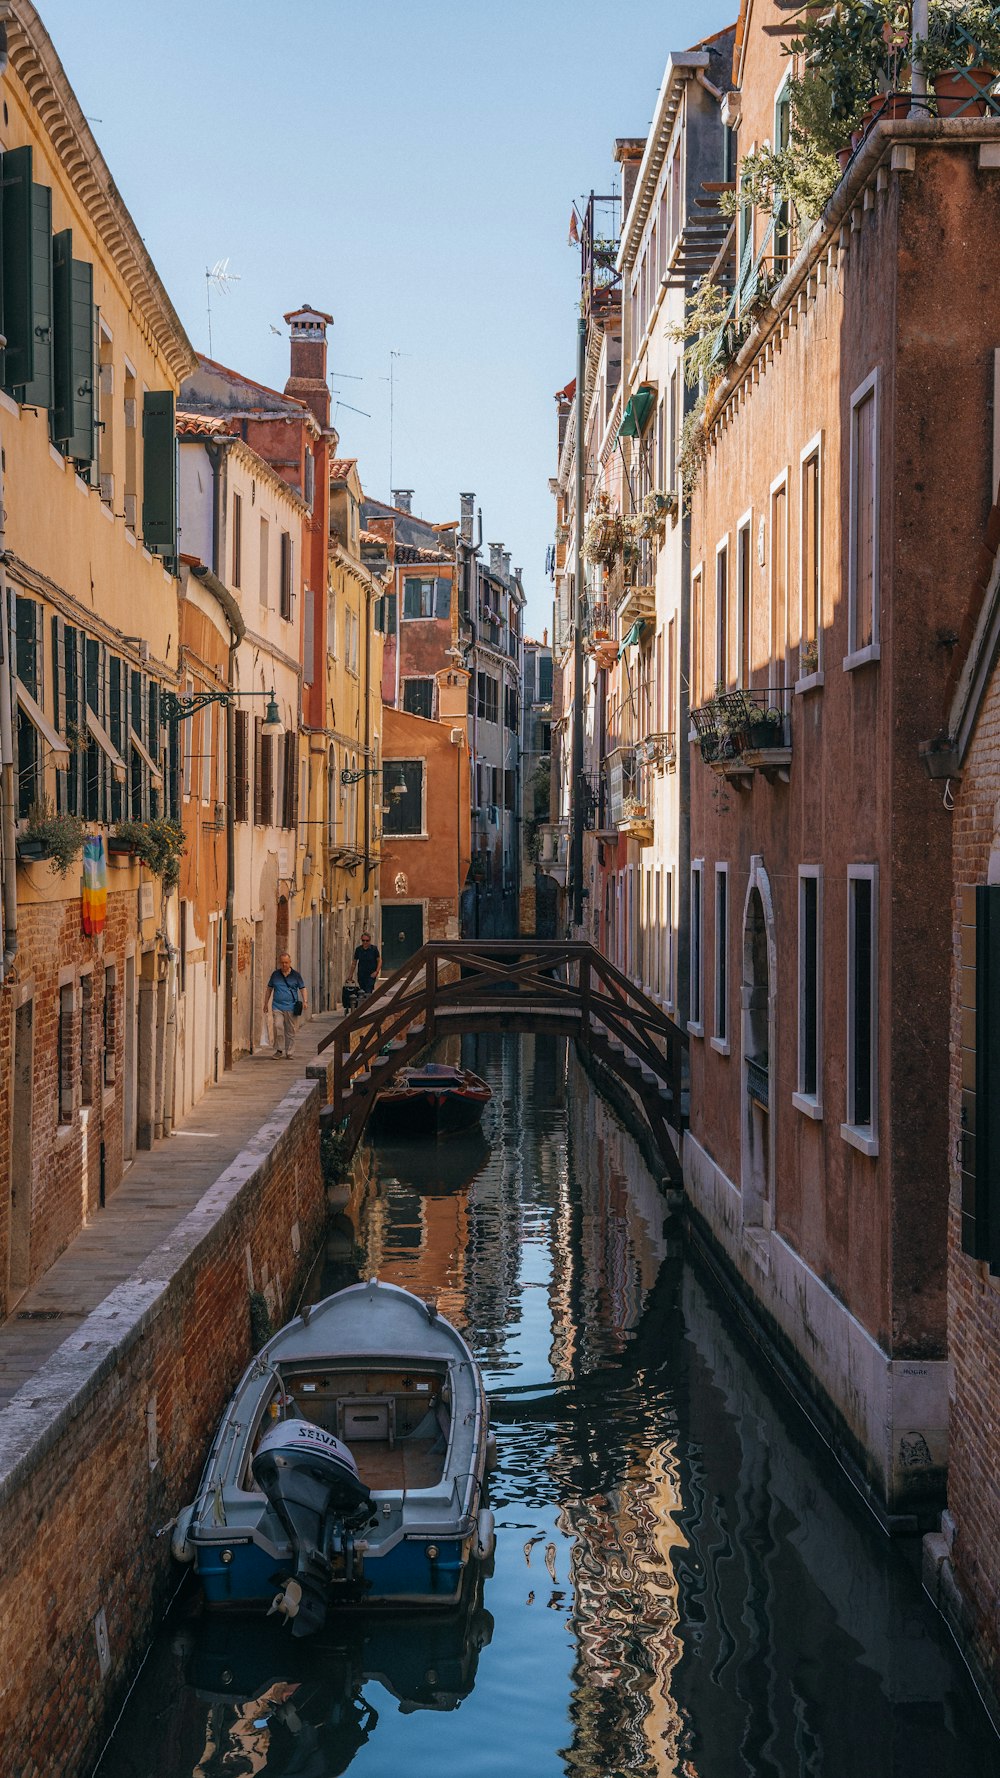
219, 275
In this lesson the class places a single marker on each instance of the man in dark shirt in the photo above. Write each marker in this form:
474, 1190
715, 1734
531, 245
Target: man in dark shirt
287, 990
367, 963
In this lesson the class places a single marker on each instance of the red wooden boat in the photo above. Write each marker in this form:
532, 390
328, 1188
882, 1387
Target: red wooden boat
433, 1100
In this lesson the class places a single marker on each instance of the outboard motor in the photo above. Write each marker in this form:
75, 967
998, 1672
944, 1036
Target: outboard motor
312, 1482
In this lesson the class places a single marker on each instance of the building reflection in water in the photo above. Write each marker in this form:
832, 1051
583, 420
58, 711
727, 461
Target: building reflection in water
682, 1586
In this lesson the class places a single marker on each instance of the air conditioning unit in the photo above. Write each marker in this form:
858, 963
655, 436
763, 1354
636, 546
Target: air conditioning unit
457, 737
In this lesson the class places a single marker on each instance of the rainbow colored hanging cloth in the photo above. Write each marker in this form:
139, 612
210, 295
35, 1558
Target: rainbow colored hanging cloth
95, 885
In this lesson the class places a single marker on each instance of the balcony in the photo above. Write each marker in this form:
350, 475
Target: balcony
629, 793
554, 856
743, 732
599, 252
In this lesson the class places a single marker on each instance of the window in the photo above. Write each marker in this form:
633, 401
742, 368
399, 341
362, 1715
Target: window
28, 666
697, 637
308, 636
809, 653
545, 679
418, 697
744, 603
721, 1039
289, 786
808, 1097
403, 796
237, 540
109, 1032
487, 697
352, 630
862, 572
86, 1039
694, 995
241, 787
782, 137
779, 584
861, 1127
510, 707
263, 562
672, 426
722, 614
285, 569
426, 598
310, 486
980, 1005
668, 937
67, 1054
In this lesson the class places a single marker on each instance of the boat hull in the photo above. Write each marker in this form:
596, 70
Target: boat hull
405, 1575
426, 1114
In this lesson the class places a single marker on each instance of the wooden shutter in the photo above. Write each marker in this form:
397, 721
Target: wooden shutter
286, 576
159, 472
73, 349
18, 268
267, 780
864, 522
258, 771
442, 598
390, 614
38, 391
293, 768
411, 598
241, 788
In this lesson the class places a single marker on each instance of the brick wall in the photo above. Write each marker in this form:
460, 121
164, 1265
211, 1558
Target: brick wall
83, 1489
65, 1156
973, 1519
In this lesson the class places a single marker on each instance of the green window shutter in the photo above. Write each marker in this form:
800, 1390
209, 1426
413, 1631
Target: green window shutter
38, 392
159, 472
17, 276
442, 598
411, 598
73, 349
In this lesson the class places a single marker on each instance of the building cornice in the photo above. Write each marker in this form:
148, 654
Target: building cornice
34, 61
679, 69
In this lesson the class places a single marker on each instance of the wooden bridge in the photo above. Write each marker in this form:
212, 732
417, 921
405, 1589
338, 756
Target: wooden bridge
533, 985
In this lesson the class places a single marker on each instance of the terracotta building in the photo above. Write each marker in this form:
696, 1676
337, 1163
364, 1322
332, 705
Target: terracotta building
425, 844
836, 520
93, 356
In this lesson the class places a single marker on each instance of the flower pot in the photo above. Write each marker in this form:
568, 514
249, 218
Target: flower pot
30, 851
120, 848
960, 91
844, 157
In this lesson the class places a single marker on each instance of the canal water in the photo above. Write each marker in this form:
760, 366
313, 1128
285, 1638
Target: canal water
681, 1583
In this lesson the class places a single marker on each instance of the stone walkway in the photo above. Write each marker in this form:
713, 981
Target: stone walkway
162, 1185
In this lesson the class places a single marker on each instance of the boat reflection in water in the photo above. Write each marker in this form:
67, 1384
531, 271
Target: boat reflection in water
245, 1698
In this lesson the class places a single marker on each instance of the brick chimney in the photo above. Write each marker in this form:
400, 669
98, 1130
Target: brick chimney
307, 382
496, 558
403, 498
506, 564
629, 151
468, 503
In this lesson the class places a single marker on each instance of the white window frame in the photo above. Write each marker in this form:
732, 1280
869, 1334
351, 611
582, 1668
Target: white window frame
810, 681
744, 524
721, 972
779, 484
721, 664
696, 664
859, 657
862, 1136
810, 1103
696, 958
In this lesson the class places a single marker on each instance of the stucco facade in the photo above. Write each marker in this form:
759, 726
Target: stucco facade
88, 497
425, 844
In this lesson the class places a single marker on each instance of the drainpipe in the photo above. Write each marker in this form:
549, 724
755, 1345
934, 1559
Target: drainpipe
209, 578
8, 800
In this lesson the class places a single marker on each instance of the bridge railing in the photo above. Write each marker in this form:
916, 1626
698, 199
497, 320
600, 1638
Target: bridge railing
560, 982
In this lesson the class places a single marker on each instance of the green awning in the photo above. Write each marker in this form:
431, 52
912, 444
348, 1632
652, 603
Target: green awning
633, 636
637, 412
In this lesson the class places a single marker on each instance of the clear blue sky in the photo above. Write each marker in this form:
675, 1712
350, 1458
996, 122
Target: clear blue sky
408, 167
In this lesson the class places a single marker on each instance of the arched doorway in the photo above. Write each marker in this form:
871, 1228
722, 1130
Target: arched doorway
757, 1147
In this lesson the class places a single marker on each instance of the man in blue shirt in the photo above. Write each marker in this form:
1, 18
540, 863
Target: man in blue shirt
287, 990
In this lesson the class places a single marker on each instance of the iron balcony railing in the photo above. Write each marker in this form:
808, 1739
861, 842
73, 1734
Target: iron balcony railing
745, 727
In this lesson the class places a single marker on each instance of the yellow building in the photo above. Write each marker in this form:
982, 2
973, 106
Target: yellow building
93, 357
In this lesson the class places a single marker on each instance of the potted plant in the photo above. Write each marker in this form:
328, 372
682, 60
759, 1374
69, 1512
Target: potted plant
157, 844
633, 809
52, 836
961, 55
602, 537
808, 658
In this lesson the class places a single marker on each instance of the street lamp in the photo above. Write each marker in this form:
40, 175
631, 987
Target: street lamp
177, 709
354, 777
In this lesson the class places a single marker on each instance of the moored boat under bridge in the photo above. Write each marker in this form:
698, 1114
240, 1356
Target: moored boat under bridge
526, 985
